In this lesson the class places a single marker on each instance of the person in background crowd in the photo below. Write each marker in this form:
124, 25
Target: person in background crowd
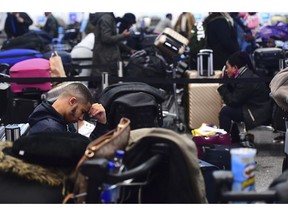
16, 24
51, 25
252, 23
84, 50
106, 51
70, 107
251, 20
184, 24
165, 23
125, 23
241, 29
244, 101
221, 37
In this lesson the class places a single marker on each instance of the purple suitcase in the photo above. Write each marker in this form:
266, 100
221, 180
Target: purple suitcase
38, 68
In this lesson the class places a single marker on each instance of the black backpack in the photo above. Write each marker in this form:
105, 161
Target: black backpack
36, 40
148, 63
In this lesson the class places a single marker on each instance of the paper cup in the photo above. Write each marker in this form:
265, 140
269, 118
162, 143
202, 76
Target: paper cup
243, 168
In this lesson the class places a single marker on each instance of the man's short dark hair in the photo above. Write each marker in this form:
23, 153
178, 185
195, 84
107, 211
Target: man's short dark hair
80, 91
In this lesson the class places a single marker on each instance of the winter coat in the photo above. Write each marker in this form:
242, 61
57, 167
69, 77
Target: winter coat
46, 118
221, 37
22, 182
252, 97
33, 168
106, 46
51, 26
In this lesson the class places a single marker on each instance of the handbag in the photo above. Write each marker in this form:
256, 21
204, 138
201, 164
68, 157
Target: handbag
202, 141
102, 147
56, 65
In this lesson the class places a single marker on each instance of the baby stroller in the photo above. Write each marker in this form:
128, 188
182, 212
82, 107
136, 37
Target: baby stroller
161, 167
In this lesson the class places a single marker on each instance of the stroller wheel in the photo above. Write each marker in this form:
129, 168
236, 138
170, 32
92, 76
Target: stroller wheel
181, 128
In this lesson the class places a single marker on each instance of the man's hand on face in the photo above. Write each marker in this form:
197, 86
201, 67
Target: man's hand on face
98, 112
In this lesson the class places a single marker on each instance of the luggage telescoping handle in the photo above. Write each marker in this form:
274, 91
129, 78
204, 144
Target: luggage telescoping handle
209, 54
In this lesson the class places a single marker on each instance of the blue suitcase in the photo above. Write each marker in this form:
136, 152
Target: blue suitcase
14, 56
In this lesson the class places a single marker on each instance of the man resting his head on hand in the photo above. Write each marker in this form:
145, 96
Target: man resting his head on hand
73, 104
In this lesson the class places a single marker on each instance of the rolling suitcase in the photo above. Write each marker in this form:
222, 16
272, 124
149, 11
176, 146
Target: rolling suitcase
271, 59
31, 68
204, 102
19, 109
171, 42
218, 155
13, 56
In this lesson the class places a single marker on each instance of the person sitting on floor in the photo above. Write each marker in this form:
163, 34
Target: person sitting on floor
247, 102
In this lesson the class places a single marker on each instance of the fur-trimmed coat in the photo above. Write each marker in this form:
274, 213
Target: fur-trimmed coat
22, 182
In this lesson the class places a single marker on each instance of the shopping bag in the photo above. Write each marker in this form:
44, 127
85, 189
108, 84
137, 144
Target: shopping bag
209, 135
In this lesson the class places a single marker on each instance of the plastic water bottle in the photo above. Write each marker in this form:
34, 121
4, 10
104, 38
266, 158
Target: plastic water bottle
107, 192
118, 161
118, 168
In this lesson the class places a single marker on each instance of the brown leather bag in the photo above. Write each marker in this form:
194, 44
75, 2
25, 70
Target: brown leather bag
102, 147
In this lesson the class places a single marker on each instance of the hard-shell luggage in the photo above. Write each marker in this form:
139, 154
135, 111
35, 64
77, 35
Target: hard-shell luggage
204, 102
269, 58
14, 56
171, 42
218, 155
19, 109
31, 68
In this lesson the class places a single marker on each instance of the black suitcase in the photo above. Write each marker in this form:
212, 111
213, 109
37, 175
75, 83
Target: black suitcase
148, 41
218, 155
270, 59
207, 170
19, 109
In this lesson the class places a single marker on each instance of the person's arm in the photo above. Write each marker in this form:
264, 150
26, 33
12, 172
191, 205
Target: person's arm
108, 32
237, 95
98, 112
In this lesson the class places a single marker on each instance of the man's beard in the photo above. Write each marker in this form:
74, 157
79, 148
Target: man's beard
73, 112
